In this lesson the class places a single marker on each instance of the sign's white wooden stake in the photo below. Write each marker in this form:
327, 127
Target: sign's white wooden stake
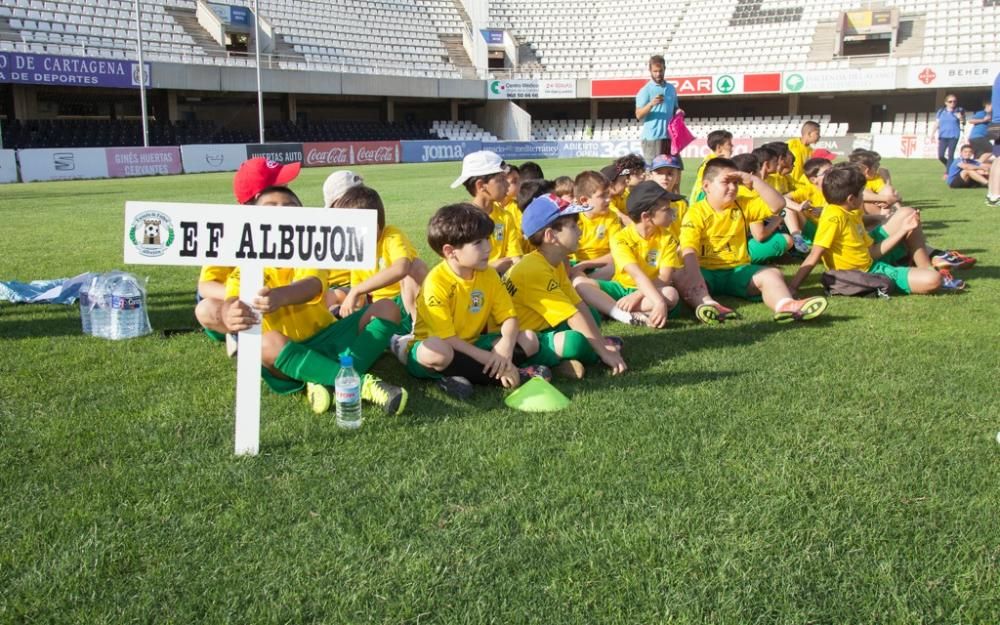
248, 370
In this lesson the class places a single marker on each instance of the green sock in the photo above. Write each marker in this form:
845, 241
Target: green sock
577, 347
371, 342
301, 363
546, 350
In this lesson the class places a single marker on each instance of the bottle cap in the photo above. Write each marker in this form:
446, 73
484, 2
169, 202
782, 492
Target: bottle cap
346, 361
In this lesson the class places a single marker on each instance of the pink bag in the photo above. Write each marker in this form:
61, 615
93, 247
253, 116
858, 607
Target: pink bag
680, 136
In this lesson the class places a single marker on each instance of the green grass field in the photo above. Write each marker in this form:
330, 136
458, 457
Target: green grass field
842, 471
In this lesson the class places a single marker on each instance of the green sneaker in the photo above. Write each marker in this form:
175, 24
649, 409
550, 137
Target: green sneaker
320, 397
392, 399
802, 309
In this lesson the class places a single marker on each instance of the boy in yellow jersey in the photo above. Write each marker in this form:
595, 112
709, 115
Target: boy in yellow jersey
563, 188
544, 298
765, 243
802, 149
395, 259
714, 239
460, 297
880, 196
631, 170
334, 187
843, 243
720, 142
253, 176
645, 256
513, 187
616, 188
665, 170
484, 176
301, 340
593, 253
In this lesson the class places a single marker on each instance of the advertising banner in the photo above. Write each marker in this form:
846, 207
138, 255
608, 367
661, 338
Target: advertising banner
434, 151
973, 74
905, 146
62, 163
198, 159
492, 37
628, 87
531, 89
156, 161
341, 153
841, 146
8, 166
868, 79
76, 71
283, 153
518, 150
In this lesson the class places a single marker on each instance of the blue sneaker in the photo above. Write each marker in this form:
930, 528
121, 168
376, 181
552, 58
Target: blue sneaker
950, 282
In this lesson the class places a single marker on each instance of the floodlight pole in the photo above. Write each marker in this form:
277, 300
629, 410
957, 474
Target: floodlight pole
256, 47
142, 75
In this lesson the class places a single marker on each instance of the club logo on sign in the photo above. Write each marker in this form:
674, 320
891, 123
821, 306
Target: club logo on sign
927, 76
63, 161
151, 233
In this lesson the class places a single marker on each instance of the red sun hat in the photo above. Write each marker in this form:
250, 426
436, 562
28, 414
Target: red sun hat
257, 174
823, 153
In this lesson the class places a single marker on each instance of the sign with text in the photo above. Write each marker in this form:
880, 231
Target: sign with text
515, 150
434, 151
628, 87
76, 71
531, 89
249, 238
492, 37
975, 74
283, 153
155, 161
868, 79
212, 157
62, 164
340, 153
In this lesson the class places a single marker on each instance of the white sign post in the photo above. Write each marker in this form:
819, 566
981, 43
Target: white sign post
250, 238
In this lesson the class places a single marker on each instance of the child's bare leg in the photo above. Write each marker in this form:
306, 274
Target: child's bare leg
771, 285
435, 354
271, 345
592, 294
691, 287
408, 289
975, 175
383, 309
528, 341
923, 280
994, 180
915, 242
604, 273
793, 221
334, 297
208, 312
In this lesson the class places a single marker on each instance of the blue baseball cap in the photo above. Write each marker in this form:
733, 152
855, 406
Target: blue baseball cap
666, 160
545, 209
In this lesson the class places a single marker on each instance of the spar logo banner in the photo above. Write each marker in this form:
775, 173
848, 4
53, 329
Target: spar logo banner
46, 69
717, 84
530, 89
260, 236
340, 153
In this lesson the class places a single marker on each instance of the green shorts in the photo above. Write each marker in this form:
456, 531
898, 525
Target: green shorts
900, 276
735, 281
773, 247
218, 337
330, 342
809, 231
896, 254
417, 370
405, 320
615, 289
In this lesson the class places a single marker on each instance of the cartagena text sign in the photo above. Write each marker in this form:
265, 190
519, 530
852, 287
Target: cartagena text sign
161, 233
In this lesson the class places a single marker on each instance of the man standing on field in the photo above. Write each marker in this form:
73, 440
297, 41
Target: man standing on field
655, 105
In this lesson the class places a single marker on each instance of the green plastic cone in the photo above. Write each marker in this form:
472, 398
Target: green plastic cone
537, 395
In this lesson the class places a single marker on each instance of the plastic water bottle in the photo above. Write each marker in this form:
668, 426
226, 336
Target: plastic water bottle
347, 388
128, 307
85, 318
100, 311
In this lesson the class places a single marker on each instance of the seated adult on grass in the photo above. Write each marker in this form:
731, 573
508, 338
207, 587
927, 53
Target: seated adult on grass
545, 300
843, 244
301, 340
457, 300
714, 239
966, 172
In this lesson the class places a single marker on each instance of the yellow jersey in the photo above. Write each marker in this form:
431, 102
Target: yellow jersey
841, 232
506, 239
876, 184
720, 237
802, 154
212, 273
651, 254
680, 207
779, 183
543, 295
339, 278
449, 305
391, 246
751, 198
696, 191
595, 235
809, 191
298, 322
619, 203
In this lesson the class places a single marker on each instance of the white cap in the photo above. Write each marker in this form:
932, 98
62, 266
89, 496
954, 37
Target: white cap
482, 163
338, 183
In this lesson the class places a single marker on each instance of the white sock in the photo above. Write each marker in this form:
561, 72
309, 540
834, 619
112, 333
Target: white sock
781, 303
620, 315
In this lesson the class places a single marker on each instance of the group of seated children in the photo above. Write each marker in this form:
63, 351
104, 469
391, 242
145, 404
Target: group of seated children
529, 268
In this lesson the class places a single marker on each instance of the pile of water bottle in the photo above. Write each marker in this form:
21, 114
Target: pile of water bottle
113, 306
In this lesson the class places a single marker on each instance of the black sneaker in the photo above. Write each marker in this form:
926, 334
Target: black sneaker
456, 386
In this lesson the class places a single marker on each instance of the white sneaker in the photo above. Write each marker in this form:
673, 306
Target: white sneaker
232, 346
399, 345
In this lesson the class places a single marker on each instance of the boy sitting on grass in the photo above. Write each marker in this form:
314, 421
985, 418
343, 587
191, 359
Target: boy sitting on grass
766, 243
720, 142
457, 300
965, 172
301, 340
843, 243
544, 298
714, 239
645, 255
807, 200
593, 254
484, 176
665, 171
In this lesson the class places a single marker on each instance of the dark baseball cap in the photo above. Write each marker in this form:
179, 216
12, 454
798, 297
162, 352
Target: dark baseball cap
646, 195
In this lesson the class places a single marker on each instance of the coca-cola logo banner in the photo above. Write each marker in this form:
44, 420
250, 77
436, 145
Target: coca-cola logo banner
340, 153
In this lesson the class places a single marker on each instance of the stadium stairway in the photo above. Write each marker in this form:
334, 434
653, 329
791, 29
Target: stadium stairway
189, 22
457, 55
